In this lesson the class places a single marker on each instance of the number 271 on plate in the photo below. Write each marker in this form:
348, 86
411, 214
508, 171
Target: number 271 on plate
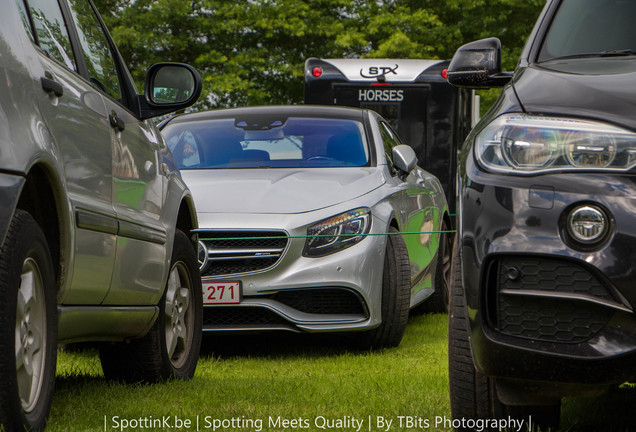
221, 292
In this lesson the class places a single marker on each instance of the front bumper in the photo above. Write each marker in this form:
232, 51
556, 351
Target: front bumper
547, 317
337, 292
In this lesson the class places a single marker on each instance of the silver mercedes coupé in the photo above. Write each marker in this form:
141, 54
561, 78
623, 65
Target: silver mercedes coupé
313, 219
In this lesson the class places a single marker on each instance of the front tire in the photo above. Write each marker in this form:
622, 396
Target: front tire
28, 329
171, 348
472, 394
396, 296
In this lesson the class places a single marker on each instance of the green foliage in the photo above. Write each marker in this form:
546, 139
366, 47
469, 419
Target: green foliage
253, 52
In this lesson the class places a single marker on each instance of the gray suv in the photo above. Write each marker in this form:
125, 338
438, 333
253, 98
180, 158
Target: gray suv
543, 293
95, 219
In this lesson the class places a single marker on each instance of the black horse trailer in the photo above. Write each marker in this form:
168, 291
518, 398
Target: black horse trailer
428, 113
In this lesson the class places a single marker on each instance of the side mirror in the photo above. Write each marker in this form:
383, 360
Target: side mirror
478, 65
169, 87
404, 158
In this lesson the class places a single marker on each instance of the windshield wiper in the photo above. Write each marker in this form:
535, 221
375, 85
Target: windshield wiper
609, 53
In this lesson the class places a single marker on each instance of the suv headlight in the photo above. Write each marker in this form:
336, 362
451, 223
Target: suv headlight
520, 144
337, 233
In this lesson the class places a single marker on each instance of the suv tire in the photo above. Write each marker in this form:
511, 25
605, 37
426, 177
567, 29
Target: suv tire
171, 347
473, 395
28, 329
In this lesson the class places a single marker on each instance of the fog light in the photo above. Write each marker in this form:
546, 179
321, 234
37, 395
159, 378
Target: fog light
587, 224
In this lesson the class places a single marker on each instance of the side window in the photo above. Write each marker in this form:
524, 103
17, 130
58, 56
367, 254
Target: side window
102, 69
51, 31
390, 140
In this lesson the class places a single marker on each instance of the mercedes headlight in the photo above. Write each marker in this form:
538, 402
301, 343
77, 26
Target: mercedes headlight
519, 143
337, 232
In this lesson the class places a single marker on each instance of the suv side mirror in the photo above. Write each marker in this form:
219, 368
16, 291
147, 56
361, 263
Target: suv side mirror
404, 158
169, 87
478, 65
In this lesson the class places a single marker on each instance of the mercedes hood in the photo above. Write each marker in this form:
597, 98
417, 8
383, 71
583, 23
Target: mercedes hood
280, 191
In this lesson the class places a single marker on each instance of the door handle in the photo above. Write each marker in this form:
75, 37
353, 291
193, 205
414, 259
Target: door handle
116, 122
49, 85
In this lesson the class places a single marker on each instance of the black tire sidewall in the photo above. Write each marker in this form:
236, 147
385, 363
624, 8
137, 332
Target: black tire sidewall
462, 375
472, 394
396, 296
25, 239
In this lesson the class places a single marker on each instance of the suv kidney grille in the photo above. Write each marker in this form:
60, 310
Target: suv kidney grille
233, 252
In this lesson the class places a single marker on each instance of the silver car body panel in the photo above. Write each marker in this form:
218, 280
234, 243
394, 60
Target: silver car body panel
119, 184
81, 323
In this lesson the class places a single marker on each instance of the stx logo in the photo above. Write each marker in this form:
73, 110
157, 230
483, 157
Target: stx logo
375, 71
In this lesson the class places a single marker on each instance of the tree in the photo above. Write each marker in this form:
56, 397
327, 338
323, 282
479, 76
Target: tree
252, 52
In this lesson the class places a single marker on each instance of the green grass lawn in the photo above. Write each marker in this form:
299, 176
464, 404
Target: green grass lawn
294, 383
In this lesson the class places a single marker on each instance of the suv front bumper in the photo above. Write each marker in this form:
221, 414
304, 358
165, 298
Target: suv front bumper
546, 315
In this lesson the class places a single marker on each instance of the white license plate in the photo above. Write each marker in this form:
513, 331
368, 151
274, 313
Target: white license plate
221, 292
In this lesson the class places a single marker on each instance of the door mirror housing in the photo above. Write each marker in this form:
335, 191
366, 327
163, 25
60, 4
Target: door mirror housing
478, 65
169, 87
404, 158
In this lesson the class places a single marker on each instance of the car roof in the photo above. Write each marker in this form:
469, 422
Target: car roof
281, 110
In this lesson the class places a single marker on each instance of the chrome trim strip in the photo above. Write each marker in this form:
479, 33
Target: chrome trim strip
96, 222
241, 230
89, 220
139, 232
241, 257
221, 251
247, 328
566, 296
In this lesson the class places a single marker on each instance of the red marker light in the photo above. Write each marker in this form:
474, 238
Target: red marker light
445, 73
317, 72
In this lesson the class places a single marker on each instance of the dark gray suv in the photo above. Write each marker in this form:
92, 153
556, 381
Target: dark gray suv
95, 219
543, 296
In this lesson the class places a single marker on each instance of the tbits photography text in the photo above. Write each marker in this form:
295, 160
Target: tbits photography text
206, 423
